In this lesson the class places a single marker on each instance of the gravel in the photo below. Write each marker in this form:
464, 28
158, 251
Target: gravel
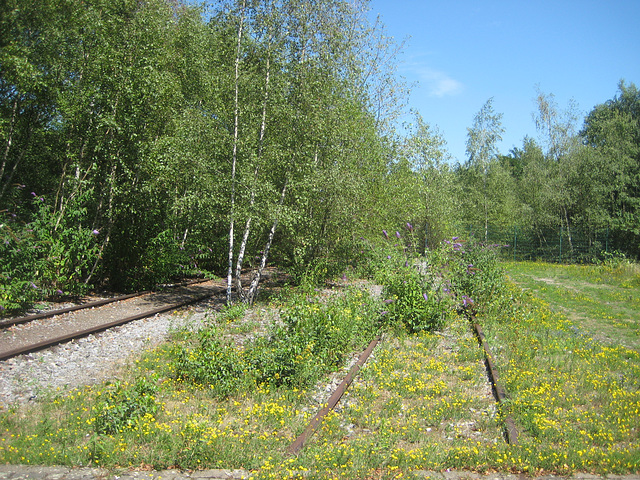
88, 360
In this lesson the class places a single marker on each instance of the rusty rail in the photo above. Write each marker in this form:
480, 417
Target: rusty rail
498, 391
98, 303
333, 400
105, 326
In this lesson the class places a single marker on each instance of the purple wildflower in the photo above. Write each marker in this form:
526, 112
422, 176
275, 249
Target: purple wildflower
386, 235
33, 194
398, 234
466, 301
389, 257
59, 292
454, 238
96, 232
33, 285
409, 227
426, 297
388, 301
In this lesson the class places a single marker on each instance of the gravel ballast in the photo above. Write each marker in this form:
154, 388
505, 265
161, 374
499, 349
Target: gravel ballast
88, 360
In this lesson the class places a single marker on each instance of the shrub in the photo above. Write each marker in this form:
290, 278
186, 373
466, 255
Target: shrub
474, 270
121, 405
416, 301
213, 363
313, 338
44, 253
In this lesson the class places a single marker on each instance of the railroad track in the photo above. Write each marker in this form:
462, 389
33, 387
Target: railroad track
79, 321
510, 433
152, 303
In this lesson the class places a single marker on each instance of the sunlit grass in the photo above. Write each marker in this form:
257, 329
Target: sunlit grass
602, 301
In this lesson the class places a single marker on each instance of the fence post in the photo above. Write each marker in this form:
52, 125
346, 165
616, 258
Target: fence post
515, 241
560, 258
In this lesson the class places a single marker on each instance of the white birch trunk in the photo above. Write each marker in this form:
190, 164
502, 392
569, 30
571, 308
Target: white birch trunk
253, 289
247, 228
236, 114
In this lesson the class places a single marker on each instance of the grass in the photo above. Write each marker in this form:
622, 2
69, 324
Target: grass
421, 403
602, 301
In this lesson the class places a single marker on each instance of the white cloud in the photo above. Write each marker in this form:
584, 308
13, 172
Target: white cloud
438, 83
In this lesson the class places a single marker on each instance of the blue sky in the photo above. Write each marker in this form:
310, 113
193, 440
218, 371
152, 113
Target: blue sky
463, 52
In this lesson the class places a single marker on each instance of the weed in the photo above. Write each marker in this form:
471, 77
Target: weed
121, 405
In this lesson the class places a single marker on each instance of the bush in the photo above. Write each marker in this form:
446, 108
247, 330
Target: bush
416, 301
474, 270
213, 363
162, 261
121, 406
313, 339
44, 253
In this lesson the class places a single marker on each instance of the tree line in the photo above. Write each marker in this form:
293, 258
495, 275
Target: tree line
574, 176
144, 140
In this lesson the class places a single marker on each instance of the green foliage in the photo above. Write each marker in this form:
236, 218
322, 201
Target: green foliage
123, 404
231, 313
163, 260
51, 255
313, 338
415, 301
475, 273
214, 363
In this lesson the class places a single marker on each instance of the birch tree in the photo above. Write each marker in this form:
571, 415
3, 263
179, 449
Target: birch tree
481, 147
558, 133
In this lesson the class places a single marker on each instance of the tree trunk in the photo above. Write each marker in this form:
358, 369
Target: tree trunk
247, 227
236, 114
253, 289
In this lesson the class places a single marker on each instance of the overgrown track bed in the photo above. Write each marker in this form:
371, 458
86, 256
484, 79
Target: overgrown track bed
29, 334
510, 431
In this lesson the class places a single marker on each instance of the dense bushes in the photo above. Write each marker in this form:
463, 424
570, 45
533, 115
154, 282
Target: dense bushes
421, 292
313, 337
44, 255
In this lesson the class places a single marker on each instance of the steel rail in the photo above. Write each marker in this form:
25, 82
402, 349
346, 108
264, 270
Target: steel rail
333, 400
499, 392
105, 326
98, 303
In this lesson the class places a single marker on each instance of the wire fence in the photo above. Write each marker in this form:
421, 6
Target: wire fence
548, 244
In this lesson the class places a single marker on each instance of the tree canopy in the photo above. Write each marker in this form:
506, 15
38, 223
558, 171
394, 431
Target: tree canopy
145, 140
